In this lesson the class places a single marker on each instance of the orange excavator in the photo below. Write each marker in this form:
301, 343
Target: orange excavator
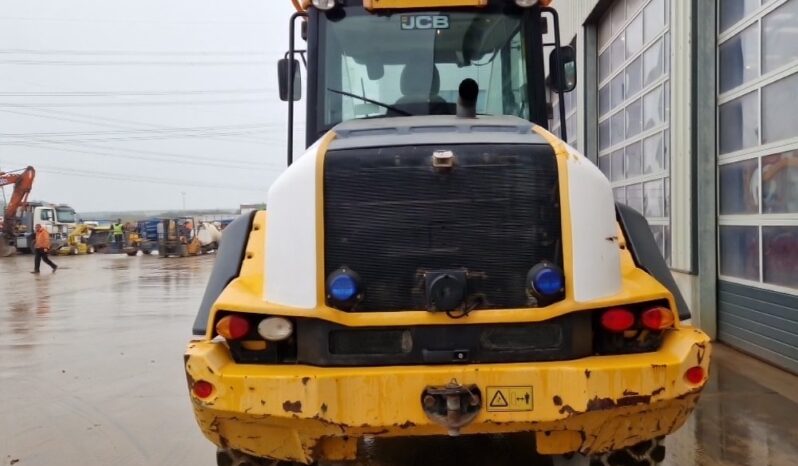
23, 182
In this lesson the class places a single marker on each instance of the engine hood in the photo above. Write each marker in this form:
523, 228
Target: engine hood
434, 129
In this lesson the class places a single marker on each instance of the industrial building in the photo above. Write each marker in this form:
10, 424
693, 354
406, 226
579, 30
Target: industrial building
688, 108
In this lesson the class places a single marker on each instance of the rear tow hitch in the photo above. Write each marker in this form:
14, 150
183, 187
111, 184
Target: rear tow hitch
453, 406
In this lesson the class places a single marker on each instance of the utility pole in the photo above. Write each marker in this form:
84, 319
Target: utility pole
183, 193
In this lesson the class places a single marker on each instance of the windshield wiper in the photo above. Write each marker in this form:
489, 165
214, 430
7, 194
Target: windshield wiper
364, 99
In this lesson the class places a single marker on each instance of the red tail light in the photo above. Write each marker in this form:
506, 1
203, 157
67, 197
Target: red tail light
694, 375
202, 389
232, 327
617, 319
657, 318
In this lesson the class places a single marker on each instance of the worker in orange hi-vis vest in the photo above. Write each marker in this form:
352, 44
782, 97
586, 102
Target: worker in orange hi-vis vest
42, 249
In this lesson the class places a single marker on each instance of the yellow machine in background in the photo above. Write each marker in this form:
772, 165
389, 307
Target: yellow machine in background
194, 247
77, 242
184, 236
133, 242
173, 238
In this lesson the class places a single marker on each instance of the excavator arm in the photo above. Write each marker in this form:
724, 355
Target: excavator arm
23, 182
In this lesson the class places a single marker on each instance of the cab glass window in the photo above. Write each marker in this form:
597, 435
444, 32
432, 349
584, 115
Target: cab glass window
413, 64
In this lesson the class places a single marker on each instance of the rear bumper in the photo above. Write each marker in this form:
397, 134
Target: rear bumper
303, 413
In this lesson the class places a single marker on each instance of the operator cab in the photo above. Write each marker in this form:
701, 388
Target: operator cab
396, 62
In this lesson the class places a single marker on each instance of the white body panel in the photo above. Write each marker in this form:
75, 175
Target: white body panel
291, 268
596, 267
290, 273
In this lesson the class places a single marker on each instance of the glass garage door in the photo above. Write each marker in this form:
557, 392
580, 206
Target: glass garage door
758, 178
634, 97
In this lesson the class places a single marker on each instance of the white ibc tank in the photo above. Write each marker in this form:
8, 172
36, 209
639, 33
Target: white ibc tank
208, 233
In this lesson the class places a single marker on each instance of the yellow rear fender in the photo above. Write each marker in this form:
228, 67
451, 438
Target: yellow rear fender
289, 411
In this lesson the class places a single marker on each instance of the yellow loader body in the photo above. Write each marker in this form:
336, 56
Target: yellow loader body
304, 413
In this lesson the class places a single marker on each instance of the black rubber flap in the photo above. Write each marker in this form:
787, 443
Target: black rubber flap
646, 254
227, 267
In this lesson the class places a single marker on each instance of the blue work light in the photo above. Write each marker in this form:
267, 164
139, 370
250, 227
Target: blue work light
546, 280
343, 286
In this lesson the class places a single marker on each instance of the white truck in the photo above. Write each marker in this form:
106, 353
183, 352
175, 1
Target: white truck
57, 219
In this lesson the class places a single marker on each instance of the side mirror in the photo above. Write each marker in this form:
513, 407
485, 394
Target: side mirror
567, 67
283, 70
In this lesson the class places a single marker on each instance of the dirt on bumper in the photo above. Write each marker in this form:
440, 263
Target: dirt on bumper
302, 413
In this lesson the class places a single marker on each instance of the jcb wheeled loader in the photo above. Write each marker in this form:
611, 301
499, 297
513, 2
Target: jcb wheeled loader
436, 262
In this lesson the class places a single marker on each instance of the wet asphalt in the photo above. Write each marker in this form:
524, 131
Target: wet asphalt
91, 374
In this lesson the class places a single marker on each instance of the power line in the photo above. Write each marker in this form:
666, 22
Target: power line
129, 21
129, 138
252, 139
188, 130
69, 171
131, 103
142, 179
187, 160
136, 63
125, 124
83, 118
135, 93
160, 53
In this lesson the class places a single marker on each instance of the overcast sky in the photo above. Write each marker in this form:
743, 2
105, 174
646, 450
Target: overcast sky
125, 105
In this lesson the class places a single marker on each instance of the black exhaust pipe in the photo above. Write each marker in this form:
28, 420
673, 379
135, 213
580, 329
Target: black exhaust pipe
467, 101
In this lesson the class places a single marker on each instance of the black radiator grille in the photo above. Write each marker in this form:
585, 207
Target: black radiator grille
389, 215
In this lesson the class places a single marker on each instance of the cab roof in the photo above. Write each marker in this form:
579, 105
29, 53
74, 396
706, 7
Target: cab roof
303, 5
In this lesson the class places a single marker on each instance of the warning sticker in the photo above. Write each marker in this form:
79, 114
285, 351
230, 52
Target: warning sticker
509, 399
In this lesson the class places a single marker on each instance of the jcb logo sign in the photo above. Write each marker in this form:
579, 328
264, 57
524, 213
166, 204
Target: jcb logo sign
410, 22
